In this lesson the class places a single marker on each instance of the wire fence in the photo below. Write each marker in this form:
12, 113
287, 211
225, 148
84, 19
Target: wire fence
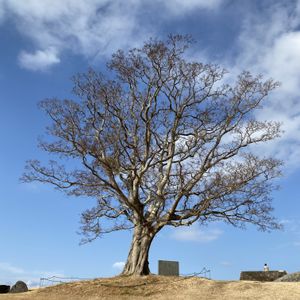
204, 273
54, 280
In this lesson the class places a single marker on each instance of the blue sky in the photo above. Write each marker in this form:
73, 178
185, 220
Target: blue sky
44, 43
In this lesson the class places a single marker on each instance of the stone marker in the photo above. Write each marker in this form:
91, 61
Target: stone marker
262, 275
4, 289
168, 268
19, 287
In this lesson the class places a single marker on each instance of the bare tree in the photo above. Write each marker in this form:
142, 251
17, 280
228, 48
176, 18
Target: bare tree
163, 141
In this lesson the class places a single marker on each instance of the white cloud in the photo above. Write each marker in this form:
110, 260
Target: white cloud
119, 265
291, 226
6, 267
90, 28
195, 234
30, 186
292, 229
270, 45
283, 60
179, 7
40, 60
10, 274
1, 12
226, 263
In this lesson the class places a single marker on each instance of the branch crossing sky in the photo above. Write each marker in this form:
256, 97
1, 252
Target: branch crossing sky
44, 43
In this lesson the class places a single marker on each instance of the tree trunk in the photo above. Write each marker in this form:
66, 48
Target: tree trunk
137, 260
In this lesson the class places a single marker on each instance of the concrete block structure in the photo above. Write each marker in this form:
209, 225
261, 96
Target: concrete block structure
168, 268
261, 275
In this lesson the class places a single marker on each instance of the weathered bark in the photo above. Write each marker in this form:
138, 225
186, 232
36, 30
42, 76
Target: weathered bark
137, 260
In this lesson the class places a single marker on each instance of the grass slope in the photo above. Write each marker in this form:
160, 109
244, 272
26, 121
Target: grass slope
160, 287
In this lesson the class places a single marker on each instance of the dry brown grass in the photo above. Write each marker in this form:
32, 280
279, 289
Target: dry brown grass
159, 287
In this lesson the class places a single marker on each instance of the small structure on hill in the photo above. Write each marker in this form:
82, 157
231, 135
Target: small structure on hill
168, 268
261, 275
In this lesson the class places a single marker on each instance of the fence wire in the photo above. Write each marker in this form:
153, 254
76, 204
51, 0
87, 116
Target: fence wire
205, 273
54, 280
58, 280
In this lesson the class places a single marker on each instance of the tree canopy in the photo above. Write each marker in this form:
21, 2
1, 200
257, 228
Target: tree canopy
161, 141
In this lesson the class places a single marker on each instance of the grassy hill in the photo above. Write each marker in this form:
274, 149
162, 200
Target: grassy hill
160, 287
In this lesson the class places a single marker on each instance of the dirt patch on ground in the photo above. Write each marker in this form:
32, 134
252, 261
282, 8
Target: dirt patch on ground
160, 287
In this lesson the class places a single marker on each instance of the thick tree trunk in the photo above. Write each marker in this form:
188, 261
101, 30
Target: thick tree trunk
137, 261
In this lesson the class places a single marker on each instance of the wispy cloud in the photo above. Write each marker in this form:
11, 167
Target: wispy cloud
1, 12
89, 28
119, 265
195, 234
269, 44
291, 226
6, 267
10, 274
292, 231
30, 186
40, 60
225, 263
179, 8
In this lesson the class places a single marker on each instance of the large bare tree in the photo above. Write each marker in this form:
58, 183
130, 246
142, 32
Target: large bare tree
161, 141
